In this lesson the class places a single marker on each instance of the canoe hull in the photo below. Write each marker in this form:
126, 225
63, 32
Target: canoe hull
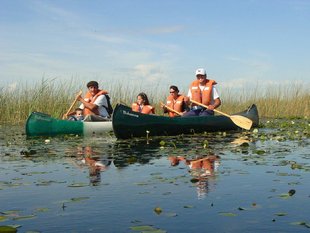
41, 124
128, 124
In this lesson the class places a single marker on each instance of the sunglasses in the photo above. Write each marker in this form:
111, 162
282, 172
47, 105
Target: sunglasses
172, 91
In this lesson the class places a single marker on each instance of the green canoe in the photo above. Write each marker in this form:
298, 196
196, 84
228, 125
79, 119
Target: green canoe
41, 124
128, 124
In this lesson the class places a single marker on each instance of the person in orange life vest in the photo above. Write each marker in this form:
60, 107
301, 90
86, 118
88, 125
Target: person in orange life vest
207, 164
142, 105
201, 169
203, 91
176, 102
96, 165
95, 103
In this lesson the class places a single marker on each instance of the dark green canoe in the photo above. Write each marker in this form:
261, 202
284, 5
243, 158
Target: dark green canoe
128, 124
41, 124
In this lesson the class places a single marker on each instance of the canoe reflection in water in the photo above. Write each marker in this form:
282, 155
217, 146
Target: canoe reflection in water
202, 170
95, 163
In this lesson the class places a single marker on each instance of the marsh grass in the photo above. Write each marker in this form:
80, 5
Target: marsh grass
273, 101
54, 98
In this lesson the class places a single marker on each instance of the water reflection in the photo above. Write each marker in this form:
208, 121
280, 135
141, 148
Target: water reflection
96, 163
126, 153
202, 170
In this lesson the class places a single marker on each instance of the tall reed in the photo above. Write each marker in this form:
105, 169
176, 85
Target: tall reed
54, 98
273, 101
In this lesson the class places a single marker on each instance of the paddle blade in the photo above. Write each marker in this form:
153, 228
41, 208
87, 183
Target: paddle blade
242, 121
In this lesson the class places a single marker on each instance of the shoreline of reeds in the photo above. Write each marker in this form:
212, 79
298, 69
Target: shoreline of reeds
282, 101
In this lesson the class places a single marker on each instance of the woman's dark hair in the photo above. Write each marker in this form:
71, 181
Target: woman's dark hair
144, 97
175, 88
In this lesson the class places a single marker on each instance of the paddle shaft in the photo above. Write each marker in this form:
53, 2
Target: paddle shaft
241, 121
205, 106
72, 105
171, 109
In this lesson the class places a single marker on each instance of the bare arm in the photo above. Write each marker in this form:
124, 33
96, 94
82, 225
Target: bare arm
88, 105
216, 104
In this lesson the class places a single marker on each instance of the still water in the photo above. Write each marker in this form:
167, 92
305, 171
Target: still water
218, 182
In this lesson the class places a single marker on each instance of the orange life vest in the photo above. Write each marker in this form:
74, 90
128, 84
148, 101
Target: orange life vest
204, 96
146, 109
91, 99
176, 104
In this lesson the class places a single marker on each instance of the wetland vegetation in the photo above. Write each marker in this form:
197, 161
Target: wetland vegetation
54, 98
78, 184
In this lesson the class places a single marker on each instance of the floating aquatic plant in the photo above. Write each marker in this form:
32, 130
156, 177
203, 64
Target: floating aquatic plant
77, 185
158, 210
227, 214
302, 223
7, 229
147, 228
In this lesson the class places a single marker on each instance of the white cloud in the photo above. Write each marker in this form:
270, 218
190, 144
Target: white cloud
165, 30
149, 73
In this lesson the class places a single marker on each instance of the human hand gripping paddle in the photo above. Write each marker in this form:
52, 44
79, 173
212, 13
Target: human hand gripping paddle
171, 109
241, 121
72, 105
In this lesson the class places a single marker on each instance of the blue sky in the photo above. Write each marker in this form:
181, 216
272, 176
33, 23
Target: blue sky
155, 43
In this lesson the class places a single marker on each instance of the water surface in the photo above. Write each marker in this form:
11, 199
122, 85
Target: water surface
259, 183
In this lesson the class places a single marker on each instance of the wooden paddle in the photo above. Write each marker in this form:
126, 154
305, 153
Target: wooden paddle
171, 109
72, 105
240, 121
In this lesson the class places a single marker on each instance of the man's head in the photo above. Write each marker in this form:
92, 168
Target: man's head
93, 87
92, 84
201, 75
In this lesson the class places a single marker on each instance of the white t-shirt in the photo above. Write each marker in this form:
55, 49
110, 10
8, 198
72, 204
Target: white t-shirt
214, 94
100, 102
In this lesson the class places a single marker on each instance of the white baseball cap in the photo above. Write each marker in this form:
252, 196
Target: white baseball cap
200, 71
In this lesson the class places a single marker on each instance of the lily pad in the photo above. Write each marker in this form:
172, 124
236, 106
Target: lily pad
158, 210
3, 218
281, 214
76, 199
228, 214
11, 213
42, 209
302, 224
171, 214
24, 217
77, 185
7, 229
143, 228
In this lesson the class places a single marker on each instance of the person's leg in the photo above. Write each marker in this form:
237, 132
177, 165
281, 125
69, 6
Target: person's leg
98, 118
206, 113
87, 118
191, 113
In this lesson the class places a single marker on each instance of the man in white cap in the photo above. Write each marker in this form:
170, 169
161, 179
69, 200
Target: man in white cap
203, 90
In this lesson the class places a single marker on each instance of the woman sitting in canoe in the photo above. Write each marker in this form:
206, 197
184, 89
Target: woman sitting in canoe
176, 104
142, 105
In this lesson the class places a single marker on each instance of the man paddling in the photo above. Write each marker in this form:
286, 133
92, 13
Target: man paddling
203, 90
96, 103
